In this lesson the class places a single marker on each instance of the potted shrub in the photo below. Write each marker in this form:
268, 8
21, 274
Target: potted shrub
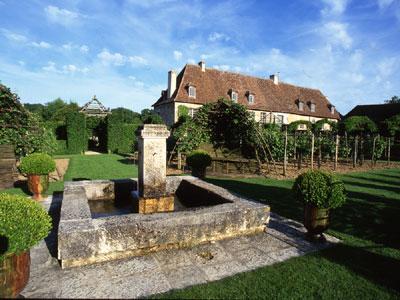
320, 192
37, 167
23, 223
198, 161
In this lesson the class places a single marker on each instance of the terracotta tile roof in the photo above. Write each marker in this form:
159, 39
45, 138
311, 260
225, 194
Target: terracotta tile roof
376, 112
213, 84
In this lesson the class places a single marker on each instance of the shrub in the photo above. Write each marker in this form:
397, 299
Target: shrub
321, 189
38, 164
198, 160
121, 137
76, 133
21, 128
23, 223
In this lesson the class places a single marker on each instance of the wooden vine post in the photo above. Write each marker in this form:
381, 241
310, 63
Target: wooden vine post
312, 150
373, 151
388, 153
336, 152
285, 153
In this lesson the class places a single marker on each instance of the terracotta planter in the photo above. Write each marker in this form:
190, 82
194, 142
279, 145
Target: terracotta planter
316, 220
14, 274
37, 185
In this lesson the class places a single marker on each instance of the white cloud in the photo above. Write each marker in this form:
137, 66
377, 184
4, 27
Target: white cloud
84, 49
41, 45
62, 16
137, 60
384, 3
66, 69
112, 88
177, 55
222, 67
334, 7
71, 46
335, 33
108, 58
191, 61
118, 59
50, 67
216, 36
15, 37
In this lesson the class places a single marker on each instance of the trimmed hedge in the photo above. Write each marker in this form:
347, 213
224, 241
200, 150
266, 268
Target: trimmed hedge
38, 164
76, 133
23, 223
319, 188
121, 137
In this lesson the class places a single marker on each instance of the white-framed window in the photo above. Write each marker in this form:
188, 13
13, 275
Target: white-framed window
279, 119
312, 107
332, 109
250, 98
234, 96
192, 91
301, 105
263, 117
192, 111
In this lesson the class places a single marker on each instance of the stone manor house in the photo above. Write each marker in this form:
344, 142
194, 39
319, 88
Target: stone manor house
269, 100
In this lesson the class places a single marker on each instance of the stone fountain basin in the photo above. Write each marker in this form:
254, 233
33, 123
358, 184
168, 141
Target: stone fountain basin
84, 240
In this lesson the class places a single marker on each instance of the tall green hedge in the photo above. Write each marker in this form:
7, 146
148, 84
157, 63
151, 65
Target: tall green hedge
76, 133
121, 137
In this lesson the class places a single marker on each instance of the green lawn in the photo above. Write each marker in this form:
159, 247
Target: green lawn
81, 167
365, 265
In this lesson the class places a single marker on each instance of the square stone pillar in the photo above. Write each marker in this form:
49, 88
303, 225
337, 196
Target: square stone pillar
152, 148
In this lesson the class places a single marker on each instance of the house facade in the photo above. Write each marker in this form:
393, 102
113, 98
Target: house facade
267, 99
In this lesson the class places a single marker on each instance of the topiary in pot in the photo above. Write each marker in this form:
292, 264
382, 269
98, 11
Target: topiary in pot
23, 223
320, 192
37, 166
198, 161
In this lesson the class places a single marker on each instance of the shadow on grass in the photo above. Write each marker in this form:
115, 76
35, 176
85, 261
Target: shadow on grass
364, 215
364, 261
80, 179
23, 185
127, 161
373, 186
351, 179
280, 199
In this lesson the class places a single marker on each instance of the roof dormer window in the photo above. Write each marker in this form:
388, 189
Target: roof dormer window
301, 105
234, 96
312, 107
250, 98
192, 91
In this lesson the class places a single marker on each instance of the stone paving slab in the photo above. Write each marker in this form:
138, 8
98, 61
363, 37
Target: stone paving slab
165, 270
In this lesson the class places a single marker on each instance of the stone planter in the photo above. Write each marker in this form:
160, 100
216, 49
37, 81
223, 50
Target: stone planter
14, 274
316, 221
38, 184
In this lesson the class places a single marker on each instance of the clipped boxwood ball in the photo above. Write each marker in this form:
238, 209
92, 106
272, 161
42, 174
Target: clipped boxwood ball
37, 164
23, 223
321, 189
198, 160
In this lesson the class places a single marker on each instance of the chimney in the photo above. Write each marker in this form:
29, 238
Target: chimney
275, 78
202, 65
171, 83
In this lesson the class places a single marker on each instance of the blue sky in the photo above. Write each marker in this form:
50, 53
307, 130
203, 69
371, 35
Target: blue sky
121, 50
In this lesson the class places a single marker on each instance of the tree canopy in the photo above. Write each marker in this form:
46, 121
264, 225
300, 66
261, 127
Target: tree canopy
394, 99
